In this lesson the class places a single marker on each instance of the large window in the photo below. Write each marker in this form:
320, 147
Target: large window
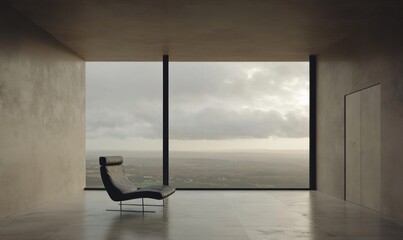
231, 124
124, 117
239, 125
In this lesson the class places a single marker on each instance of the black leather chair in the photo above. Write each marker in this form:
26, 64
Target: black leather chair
119, 187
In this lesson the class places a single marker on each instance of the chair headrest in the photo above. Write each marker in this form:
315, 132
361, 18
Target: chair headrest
110, 160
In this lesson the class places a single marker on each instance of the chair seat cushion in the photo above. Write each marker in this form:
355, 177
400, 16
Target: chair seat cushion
154, 192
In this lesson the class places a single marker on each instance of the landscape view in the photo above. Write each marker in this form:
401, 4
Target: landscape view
212, 169
231, 124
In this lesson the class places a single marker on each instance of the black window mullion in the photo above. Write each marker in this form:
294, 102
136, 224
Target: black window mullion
312, 121
165, 116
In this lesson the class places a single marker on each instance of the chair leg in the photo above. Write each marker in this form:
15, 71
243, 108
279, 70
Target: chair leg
121, 210
148, 205
116, 210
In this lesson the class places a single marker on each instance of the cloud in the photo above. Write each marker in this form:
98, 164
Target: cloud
207, 100
216, 123
141, 120
269, 86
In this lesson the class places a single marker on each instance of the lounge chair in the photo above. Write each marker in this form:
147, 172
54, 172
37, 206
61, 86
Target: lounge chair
120, 188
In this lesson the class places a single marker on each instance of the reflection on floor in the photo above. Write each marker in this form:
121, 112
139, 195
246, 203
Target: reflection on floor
209, 215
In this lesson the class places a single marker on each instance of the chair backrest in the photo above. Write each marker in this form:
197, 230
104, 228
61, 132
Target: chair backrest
114, 178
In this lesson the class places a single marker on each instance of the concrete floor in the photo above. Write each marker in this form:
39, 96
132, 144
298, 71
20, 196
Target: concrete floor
204, 215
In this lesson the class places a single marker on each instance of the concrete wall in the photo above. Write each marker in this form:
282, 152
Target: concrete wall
374, 55
42, 116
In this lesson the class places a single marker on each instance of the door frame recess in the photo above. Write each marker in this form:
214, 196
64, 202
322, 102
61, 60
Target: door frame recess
345, 135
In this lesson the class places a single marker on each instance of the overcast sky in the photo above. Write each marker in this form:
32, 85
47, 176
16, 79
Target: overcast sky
213, 106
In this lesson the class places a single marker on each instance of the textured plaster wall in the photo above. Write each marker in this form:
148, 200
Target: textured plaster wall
374, 55
42, 116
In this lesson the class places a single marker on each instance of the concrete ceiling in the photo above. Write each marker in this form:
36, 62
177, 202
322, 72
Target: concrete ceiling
202, 30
